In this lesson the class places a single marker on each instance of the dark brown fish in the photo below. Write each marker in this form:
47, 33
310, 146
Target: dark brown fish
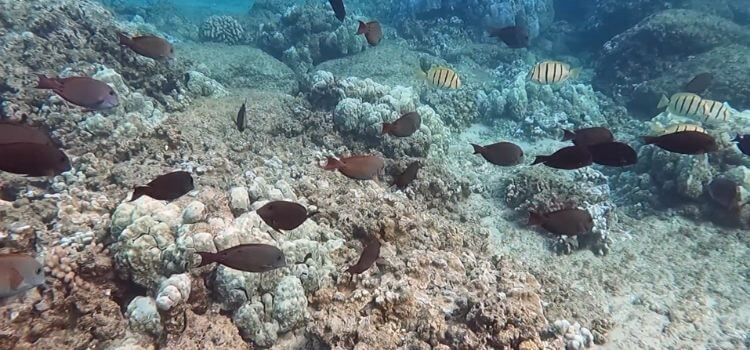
567, 158
148, 45
338, 9
372, 31
726, 193
515, 37
370, 253
699, 83
613, 154
588, 136
33, 159
357, 167
283, 215
13, 132
404, 179
247, 257
501, 153
81, 91
684, 142
166, 187
743, 143
568, 222
240, 121
404, 126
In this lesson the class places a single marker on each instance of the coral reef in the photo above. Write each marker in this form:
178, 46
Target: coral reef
222, 29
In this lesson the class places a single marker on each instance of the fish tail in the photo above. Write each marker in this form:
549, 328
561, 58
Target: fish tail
138, 192
124, 39
420, 74
737, 138
332, 163
387, 127
568, 135
44, 82
362, 28
575, 73
311, 214
649, 139
535, 218
540, 159
663, 102
206, 258
477, 148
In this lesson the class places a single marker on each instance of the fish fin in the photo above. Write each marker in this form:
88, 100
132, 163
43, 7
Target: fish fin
420, 74
332, 163
477, 148
206, 258
663, 102
649, 139
138, 191
737, 138
362, 28
535, 218
568, 135
540, 159
386, 128
44, 82
124, 39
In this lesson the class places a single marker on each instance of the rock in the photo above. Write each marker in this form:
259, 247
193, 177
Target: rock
290, 303
143, 316
172, 291
239, 200
379, 65
194, 212
249, 319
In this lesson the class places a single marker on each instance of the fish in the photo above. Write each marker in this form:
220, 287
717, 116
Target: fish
515, 37
19, 273
148, 45
240, 121
743, 143
372, 31
567, 158
338, 9
613, 153
166, 187
404, 126
565, 222
357, 167
501, 153
684, 142
370, 253
33, 159
683, 104
683, 127
254, 257
726, 193
404, 179
13, 132
715, 110
283, 215
442, 77
588, 136
699, 83
84, 92
552, 72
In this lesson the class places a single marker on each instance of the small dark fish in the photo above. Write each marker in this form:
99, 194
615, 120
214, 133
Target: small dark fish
338, 9
404, 126
684, 142
568, 222
372, 31
148, 45
33, 159
19, 273
283, 215
726, 193
166, 187
247, 257
81, 91
743, 143
501, 153
241, 117
567, 158
613, 154
699, 83
404, 179
515, 37
588, 136
357, 167
370, 253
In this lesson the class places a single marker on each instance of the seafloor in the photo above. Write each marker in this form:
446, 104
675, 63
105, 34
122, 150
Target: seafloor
666, 268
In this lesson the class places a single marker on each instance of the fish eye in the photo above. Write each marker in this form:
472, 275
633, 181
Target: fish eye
111, 92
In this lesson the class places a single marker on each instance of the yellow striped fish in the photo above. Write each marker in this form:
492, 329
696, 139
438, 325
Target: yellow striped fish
683, 127
715, 110
443, 77
551, 72
682, 103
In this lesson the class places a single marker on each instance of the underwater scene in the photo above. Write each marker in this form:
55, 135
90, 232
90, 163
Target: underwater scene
374, 175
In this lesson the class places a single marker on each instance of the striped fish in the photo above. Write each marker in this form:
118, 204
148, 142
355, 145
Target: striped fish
683, 127
552, 72
683, 104
715, 110
443, 77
